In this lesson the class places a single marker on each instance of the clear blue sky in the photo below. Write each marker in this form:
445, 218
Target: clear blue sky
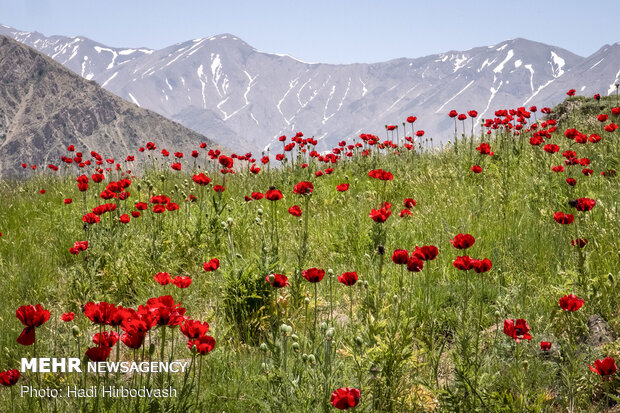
326, 31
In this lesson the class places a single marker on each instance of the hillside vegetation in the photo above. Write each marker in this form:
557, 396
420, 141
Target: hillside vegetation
423, 335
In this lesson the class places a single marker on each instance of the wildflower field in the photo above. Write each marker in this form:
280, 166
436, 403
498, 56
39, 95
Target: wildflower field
386, 275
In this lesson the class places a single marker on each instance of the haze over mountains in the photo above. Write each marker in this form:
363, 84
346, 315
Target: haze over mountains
44, 107
244, 99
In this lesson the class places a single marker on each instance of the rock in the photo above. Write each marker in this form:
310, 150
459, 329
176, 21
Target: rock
600, 332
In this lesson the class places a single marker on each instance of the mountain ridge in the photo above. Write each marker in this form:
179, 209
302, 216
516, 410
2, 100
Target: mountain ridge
245, 98
44, 107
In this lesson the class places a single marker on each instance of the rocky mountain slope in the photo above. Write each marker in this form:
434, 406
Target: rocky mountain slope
44, 107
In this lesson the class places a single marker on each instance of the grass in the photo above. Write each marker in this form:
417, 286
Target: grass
418, 341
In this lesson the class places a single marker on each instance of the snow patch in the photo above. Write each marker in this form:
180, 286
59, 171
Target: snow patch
529, 67
459, 62
500, 67
203, 84
126, 52
453, 97
168, 84
364, 90
518, 63
133, 99
559, 62
486, 63
597, 63
502, 47
110, 78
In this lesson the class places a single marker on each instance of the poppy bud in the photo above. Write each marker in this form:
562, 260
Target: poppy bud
304, 357
162, 178
380, 249
323, 326
312, 359
271, 279
259, 212
223, 223
330, 271
572, 203
295, 347
151, 349
230, 220
306, 301
263, 347
75, 331
194, 350
294, 337
263, 366
330, 334
359, 341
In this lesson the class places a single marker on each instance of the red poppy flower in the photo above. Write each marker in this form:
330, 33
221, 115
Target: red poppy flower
463, 263
345, 398
66, 317
342, 187
219, 188
419, 133
100, 313
414, 264
124, 219
273, 194
545, 345
165, 311
462, 116
382, 214
594, 138
204, 344
571, 302
295, 211
303, 188
158, 209
162, 278
426, 253
279, 280
411, 119
453, 114
579, 242
201, 179
482, 265
31, 317
564, 219
135, 214
410, 202
550, 148
133, 340
9, 377
194, 329
182, 281
604, 368
484, 149
571, 92
67, 201
615, 111
106, 338
476, 169
519, 330
348, 278
472, 113
381, 175
314, 275
611, 127
42, 191
463, 241
585, 204
558, 168
257, 195
78, 246
400, 257
571, 181
212, 265
602, 117
98, 354
405, 213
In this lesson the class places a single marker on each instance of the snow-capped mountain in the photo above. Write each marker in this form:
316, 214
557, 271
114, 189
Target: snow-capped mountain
244, 98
